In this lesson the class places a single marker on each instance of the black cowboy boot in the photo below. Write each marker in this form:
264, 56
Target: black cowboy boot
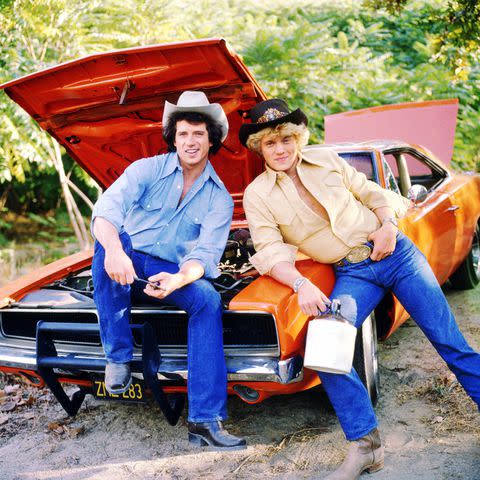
214, 435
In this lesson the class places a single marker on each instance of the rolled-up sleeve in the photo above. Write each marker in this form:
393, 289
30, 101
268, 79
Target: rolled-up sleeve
213, 235
369, 193
266, 236
115, 202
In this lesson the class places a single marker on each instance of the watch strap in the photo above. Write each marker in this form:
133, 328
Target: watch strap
298, 283
392, 220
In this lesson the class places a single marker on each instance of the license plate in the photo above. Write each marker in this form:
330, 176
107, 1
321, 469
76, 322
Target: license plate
135, 393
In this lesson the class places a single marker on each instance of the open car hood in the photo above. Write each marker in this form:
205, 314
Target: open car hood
430, 124
106, 109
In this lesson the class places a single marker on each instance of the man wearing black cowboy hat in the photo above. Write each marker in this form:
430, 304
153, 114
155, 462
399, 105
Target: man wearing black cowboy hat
166, 219
313, 201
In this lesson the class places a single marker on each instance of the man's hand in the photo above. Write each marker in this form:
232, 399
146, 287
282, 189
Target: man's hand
118, 266
311, 299
384, 241
165, 283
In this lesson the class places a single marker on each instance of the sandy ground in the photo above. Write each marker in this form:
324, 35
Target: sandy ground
431, 429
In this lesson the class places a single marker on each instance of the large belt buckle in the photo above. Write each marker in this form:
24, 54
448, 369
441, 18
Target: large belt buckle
358, 254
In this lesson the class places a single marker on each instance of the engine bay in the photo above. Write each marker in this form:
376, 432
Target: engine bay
77, 289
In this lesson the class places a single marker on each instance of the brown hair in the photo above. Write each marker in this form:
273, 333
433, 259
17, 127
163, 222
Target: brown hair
214, 129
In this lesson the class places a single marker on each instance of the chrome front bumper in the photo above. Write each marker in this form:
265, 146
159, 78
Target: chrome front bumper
239, 368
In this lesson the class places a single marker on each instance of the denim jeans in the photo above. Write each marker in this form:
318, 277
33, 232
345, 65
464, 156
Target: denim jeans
207, 373
360, 287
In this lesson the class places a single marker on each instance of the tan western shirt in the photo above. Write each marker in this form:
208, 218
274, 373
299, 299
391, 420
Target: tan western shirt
281, 223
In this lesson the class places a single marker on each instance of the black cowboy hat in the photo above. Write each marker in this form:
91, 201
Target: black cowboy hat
267, 114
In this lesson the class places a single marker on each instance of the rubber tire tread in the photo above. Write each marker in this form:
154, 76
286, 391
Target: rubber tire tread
359, 362
465, 277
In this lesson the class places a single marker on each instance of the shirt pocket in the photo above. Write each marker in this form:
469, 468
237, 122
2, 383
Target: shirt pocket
283, 217
337, 195
144, 215
191, 225
334, 179
150, 205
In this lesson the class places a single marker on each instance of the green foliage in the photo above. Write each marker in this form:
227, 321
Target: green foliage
3, 240
4, 226
457, 32
50, 228
46, 221
415, 36
34, 36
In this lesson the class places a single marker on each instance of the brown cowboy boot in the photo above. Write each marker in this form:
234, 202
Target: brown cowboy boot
366, 453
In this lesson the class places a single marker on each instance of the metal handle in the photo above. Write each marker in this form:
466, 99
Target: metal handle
453, 208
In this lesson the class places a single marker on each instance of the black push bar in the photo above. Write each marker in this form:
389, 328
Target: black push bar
48, 360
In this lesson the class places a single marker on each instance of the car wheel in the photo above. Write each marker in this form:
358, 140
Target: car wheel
467, 275
365, 358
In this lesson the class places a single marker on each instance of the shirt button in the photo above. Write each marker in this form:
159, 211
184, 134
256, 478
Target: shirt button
158, 243
196, 219
178, 186
148, 206
167, 224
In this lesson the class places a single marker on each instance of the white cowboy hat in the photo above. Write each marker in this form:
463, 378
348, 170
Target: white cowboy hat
190, 101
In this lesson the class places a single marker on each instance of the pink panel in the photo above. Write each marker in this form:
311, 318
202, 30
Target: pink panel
431, 124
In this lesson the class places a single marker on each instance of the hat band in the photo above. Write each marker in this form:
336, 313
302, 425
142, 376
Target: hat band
271, 114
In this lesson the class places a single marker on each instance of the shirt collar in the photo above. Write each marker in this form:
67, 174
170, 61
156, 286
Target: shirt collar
274, 176
172, 163
312, 160
210, 172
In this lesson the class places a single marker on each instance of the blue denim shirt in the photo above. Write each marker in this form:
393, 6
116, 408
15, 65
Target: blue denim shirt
144, 202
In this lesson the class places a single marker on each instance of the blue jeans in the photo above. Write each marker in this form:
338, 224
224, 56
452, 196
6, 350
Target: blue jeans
360, 287
207, 373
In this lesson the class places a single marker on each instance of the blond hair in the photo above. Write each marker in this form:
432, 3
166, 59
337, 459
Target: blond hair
299, 132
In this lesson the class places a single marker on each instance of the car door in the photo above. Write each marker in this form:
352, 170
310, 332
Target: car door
431, 224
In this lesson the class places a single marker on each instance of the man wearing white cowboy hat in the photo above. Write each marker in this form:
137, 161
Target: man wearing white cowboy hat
167, 219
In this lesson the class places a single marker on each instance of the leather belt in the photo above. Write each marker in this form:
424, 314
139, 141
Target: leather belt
355, 255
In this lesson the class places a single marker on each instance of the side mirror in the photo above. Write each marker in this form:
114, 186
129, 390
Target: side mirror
417, 194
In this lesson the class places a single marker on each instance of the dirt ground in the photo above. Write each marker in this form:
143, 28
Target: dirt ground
431, 429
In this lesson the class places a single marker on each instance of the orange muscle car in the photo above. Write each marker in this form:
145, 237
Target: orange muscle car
106, 111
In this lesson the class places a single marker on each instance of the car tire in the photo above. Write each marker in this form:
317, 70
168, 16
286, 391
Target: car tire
467, 275
365, 358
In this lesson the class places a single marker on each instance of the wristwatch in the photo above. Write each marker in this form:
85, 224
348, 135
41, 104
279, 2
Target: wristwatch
392, 220
298, 283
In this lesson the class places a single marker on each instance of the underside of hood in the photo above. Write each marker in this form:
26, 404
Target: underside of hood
430, 124
106, 109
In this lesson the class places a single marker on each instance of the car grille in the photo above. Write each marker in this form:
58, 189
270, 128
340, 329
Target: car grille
240, 329
21, 324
